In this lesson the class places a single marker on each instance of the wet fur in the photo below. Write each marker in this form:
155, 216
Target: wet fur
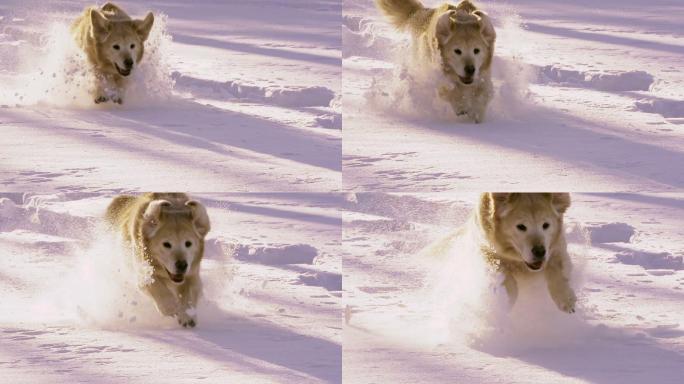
96, 31
145, 221
437, 33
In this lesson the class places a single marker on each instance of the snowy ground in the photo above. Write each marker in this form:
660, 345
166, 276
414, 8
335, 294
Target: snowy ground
272, 313
629, 275
233, 96
590, 91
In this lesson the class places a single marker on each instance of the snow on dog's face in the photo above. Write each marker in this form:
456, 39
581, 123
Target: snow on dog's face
526, 226
175, 236
466, 43
120, 43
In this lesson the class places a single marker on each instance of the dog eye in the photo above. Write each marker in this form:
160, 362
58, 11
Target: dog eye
116, 46
188, 244
546, 226
521, 227
132, 46
167, 244
476, 51
458, 51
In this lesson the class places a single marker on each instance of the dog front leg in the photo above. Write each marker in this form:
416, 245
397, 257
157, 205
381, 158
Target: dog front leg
100, 90
477, 114
511, 289
164, 299
118, 85
188, 296
559, 285
478, 109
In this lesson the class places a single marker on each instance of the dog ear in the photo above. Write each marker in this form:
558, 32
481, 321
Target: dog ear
491, 202
443, 27
100, 25
500, 202
144, 26
200, 217
500, 197
491, 206
486, 27
151, 216
560, 202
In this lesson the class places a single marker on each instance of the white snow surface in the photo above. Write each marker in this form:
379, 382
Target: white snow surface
233, 95
415, 318
71, 311
589, 97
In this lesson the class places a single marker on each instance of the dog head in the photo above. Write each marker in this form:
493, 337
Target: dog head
119, 43
524, 226
465, 40
175, 234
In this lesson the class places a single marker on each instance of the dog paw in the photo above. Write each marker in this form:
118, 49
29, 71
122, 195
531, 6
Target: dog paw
101, 99
567, 305
567, 308
186, 321
117, 100
476, 117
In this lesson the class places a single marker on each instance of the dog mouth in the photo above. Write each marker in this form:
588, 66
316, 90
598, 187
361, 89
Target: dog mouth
122, 72
467, 80
535, 266
176, 277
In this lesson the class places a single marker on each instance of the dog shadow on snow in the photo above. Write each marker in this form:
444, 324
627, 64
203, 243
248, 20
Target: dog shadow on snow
604, 355
199, 126
227, 337
597, 353
551, 133
221, 135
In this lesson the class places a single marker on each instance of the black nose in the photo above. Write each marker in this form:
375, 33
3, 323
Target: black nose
181, 266
128, 63
469, 70
539, 252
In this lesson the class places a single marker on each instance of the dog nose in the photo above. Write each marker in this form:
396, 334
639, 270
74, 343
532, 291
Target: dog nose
181, 266
539, 252
128, 63
469, 70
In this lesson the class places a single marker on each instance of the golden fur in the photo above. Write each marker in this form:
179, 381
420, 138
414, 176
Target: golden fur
114, 46
165, 230
460, 40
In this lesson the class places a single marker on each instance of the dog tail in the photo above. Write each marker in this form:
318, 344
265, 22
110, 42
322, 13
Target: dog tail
399, 12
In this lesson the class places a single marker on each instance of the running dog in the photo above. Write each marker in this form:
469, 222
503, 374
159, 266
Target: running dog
165, 231
520, 235
459, 39
114, 46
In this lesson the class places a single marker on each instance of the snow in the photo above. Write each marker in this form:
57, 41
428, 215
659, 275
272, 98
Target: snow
224, 96
589, 98
289, 254
241, 104
611, 233
616, 82
413, 318
71, 310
